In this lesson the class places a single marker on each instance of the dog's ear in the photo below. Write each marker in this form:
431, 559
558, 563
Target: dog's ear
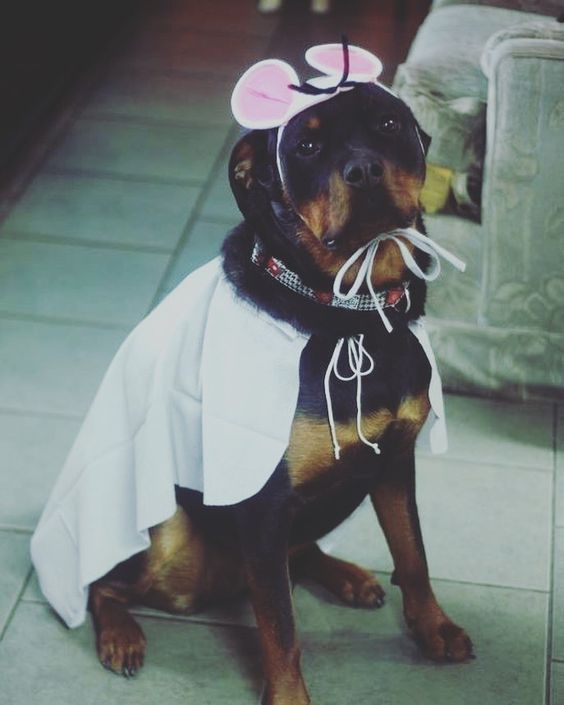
251, 171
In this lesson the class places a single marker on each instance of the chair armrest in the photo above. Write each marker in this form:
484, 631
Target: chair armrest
522, 204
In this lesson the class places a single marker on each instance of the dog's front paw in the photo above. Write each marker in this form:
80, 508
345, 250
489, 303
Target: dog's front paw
441, 639
121, 648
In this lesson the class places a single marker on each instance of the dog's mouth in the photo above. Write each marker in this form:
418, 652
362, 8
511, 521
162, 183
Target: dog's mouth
357, 233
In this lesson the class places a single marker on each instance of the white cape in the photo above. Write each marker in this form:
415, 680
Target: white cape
201, 394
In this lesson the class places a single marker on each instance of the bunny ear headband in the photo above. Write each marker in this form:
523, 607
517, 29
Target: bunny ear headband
269, 93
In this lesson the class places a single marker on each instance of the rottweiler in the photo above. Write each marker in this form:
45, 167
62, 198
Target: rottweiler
353, 167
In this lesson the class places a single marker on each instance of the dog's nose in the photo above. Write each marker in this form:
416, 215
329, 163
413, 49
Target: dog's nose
363, 173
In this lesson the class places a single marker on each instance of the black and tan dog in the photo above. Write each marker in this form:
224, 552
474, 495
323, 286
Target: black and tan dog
354, 167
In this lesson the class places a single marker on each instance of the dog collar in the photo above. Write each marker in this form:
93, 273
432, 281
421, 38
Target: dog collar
388, 298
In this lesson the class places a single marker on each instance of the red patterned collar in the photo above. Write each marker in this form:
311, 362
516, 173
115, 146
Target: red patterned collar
388, 298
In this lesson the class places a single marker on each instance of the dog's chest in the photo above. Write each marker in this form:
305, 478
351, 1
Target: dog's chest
388, 406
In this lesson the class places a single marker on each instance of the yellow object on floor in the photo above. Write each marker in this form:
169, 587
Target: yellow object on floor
436, 188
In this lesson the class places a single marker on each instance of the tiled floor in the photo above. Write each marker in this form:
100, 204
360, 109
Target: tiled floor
129, 200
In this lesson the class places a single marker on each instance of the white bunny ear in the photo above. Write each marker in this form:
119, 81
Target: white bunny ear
262, 97
328, 58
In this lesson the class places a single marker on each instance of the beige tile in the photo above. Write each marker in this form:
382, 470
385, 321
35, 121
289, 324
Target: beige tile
348, 655
139, 150
186, 663
488, 431
557, 689
220, 202
240, 18
15, 562
481, 524
508, 630
191, 51
52, 368
110, 211
559, 513
558, 596
162, 98
202, 244
76, 282
33, 449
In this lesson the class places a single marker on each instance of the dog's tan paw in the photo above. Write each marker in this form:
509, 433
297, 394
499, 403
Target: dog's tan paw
362, 590
442, 640
122, 649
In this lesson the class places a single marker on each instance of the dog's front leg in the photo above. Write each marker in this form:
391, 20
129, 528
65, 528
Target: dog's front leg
264, 529
393, 498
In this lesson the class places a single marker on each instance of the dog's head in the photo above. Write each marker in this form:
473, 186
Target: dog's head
338, 174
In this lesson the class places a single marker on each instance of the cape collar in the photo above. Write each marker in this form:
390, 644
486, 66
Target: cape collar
388, 298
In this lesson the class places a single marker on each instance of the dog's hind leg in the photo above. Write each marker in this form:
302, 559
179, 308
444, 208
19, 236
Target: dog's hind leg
352, 584
120, 641
393, 498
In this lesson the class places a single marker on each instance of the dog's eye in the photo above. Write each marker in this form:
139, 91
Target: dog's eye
307, 148
388, 124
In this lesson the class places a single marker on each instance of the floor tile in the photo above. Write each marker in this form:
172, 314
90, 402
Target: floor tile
481, 524
348, 654
220, 202
191, 51
185, 664
15, 562
144, 151
558, 596
186, 99
110, 211
240, 18
559, 514
488, 431
557, 695
508, 631
75, 282
203, 244
52, 368
33, 450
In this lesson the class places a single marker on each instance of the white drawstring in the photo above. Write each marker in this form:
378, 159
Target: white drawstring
357, 353
357, 356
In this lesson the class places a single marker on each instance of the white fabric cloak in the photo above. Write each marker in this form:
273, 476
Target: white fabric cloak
201, 394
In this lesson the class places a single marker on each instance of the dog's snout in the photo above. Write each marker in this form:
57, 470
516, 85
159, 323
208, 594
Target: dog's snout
363, 173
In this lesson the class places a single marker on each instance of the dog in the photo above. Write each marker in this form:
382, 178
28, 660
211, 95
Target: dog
312, 195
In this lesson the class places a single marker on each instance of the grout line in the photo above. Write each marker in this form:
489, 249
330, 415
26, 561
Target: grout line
21, 236
196, 209
7, 529
116, 176
12, 411
16, 604
137, 119
423, 455
550, 613
66, 321
142, 121
218, 220
435, 579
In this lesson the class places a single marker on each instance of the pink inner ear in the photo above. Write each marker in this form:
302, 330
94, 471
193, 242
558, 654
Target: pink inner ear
261, 98
329, 59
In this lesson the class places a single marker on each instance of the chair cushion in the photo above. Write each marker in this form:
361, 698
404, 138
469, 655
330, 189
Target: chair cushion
552, 8
443, 83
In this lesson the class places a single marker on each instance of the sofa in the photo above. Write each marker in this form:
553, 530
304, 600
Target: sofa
486, 81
